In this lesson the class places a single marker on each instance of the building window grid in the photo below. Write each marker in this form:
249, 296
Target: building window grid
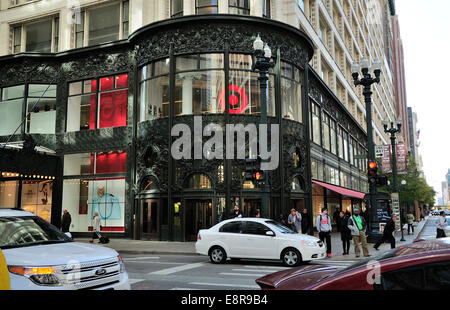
241, 7
82, 30
206, 7
176, 8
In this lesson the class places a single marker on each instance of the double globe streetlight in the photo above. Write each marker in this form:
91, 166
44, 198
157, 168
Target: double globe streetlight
262, 64
366, 81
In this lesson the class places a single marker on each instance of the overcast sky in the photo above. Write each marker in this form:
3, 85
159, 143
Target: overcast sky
425, 27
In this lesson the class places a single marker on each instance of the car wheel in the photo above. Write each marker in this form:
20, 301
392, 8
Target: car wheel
217, 255
291, 257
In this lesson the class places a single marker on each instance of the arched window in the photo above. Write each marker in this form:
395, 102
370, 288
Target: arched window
239, 7
198, 181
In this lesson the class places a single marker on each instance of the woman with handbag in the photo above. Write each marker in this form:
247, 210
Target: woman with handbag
95, 227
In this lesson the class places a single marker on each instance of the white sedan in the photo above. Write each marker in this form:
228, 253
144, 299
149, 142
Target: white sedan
256, 238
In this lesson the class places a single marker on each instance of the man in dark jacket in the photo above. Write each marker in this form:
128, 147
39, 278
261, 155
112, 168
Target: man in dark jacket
236, 213
66, 221
387, 234
306, 222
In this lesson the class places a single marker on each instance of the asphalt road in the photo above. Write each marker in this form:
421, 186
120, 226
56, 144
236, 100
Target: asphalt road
177, 272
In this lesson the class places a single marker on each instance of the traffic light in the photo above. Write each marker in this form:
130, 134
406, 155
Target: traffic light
258, 176
373, 173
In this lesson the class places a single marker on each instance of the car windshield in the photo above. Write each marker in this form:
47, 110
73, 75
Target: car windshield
279, 227
16, 232
388, 254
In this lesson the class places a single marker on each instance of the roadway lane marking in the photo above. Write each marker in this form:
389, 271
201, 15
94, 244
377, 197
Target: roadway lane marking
133, 281
243, 274
168, 271
161, 263
268, 267
139, 258
224, 285
253, 270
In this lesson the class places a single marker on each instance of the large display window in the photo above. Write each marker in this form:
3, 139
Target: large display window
11, 105
91, 107
85, 191
41, 104
37, 198
9, 192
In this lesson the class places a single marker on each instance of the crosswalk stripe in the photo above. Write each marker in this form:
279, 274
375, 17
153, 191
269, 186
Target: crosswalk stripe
177, 269
254, 270
243, 274
268, 267
133, 281
224, 285
139, 258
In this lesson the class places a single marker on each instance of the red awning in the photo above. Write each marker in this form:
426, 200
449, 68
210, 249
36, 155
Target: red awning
341, 190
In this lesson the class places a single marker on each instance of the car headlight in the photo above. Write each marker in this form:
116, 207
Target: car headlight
121, 264
38, 275
309, 243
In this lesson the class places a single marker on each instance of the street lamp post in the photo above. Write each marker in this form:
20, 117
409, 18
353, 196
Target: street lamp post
262, 64
366, 81
401, 222
392, 131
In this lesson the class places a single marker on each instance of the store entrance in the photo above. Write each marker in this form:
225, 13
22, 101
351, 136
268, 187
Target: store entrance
150, 219
250, 206
198, 215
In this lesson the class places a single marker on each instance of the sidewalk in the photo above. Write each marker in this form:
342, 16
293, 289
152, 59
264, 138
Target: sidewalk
126, 246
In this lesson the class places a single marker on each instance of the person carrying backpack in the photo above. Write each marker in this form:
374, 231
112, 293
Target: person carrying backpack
323, 225
357, 225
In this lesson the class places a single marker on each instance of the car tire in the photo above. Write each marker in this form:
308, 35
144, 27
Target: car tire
291, 257
217, 255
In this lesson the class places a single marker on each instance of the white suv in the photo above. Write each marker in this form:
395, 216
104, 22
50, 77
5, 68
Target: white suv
41, 257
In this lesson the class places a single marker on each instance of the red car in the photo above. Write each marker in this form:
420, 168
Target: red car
416, 266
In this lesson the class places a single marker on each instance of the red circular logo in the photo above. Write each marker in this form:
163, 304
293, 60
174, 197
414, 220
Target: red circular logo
238, 100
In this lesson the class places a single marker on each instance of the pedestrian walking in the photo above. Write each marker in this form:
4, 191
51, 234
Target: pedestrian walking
357, 225
410, 220
66, 220
236, 213
337, 219
282, 220
323, 225
96, 227
346, 234
441, 225
295, 221
388, 234
306, 222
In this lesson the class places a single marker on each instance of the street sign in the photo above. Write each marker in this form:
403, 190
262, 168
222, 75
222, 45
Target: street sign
379, 151
396, 210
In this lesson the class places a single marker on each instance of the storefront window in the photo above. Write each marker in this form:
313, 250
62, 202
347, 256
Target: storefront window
95, 163
291, 92
37, 198
11, 105
317, 201
82, 111
199, 181
41, 103
198, 92
9, 192
83, 198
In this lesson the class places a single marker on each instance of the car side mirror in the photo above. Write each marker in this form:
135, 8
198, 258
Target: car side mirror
270, 233
68, 234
